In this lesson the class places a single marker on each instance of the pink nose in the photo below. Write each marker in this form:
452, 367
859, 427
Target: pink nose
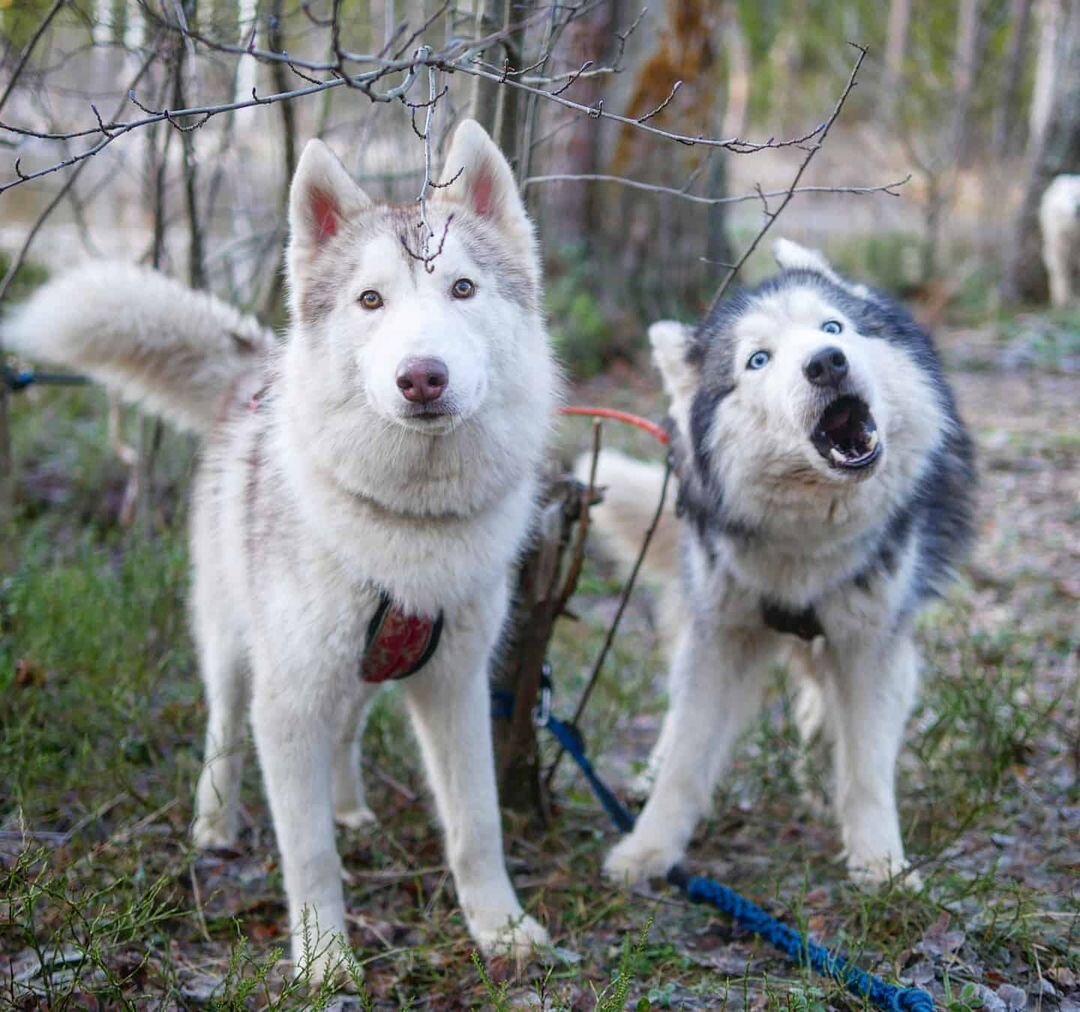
422, 380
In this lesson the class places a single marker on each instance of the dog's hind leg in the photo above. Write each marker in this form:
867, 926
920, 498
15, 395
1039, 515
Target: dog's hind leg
811, 716
874, 695
224, 676
350, 803
718, 684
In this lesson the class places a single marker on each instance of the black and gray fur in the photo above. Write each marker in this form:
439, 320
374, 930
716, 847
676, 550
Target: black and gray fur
826, 492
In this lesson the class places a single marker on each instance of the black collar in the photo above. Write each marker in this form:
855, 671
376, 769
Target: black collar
804, 624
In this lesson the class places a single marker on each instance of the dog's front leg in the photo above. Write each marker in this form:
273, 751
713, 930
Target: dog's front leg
873, 697
717, 687
295, 741
450, 706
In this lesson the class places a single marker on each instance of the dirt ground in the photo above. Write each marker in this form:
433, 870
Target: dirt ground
104, 905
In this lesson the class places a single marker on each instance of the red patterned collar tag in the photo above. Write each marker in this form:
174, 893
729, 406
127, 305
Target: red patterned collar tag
398, 645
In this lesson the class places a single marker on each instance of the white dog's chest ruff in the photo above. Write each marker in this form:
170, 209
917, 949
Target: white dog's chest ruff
398, 644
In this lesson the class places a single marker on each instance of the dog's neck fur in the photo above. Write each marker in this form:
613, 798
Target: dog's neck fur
369, 535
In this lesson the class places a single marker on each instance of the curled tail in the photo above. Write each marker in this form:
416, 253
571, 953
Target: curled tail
631, 493
181, 353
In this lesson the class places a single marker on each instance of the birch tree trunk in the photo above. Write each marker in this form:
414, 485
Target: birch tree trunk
1054, 146
965, 60
896, 40
1006, 114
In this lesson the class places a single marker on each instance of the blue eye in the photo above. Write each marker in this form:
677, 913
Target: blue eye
758, 360
832, 326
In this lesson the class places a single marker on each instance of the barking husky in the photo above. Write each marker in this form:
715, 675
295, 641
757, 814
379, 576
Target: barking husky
825, 489
357, 520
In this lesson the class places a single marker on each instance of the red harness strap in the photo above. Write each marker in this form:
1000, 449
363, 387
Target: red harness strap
398, 644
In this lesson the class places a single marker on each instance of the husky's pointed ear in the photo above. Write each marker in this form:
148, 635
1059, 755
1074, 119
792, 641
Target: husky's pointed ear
672, 344
480, 178
322, 197
793, 257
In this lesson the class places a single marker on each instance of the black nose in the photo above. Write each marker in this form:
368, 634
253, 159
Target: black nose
826, 368
422, 380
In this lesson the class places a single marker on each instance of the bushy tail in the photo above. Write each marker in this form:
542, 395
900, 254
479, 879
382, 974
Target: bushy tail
179, 352
631, 492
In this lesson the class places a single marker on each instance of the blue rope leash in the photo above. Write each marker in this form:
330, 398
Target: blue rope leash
19, 379
746, 914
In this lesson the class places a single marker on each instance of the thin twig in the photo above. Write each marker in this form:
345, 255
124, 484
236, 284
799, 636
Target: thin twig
771, 216
29, 48
637, 184
19, 258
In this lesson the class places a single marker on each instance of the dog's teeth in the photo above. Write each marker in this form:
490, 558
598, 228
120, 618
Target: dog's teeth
837, 455
873, 440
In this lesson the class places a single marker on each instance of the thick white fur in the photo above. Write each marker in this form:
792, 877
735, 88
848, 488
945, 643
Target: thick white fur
1059, 218
154, 340
306, 508
814, 528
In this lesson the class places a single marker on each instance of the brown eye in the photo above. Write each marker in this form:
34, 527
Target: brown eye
371, 299
463, 288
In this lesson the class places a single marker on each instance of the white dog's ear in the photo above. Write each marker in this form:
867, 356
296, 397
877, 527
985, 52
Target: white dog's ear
793, 257
323, 196
671, 342
480, 178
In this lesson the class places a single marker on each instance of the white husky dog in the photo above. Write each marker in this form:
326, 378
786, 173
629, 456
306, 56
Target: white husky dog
825, 488
358, 519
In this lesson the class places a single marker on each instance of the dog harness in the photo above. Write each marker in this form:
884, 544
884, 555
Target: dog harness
398, 644
805, 624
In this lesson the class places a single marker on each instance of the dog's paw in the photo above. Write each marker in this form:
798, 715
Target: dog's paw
356, 818
874, 872
641, 786
634, 860
213, 833
512, 937
333, 965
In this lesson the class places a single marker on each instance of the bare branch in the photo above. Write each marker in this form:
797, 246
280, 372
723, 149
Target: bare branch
29, 48
20, 257
811, 150
682, 194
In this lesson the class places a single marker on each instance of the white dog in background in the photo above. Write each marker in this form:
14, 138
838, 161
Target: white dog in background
1059, 219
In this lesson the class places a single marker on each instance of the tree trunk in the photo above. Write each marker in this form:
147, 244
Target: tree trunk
965, 60
569, 209
539, 595
7, 486
896, 40
1052, 150
484, 107
1006, 115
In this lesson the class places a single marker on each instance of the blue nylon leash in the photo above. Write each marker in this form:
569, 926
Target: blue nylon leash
19, 379
746, 914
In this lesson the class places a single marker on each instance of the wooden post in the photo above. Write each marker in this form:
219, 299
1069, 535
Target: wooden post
7, 486
539, 594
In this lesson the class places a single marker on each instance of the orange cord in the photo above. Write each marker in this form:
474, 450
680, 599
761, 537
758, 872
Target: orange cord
651, 428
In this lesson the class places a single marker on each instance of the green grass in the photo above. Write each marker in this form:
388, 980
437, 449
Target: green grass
100, 726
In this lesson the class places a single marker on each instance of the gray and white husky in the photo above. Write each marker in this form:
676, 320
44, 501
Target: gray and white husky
390, 461
825, 490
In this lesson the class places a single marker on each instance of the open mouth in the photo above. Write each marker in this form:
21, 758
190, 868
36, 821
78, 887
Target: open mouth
846, 434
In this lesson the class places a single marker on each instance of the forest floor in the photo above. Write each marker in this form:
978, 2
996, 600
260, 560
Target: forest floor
104, 904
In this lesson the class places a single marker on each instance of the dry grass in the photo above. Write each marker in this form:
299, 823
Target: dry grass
105, 905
